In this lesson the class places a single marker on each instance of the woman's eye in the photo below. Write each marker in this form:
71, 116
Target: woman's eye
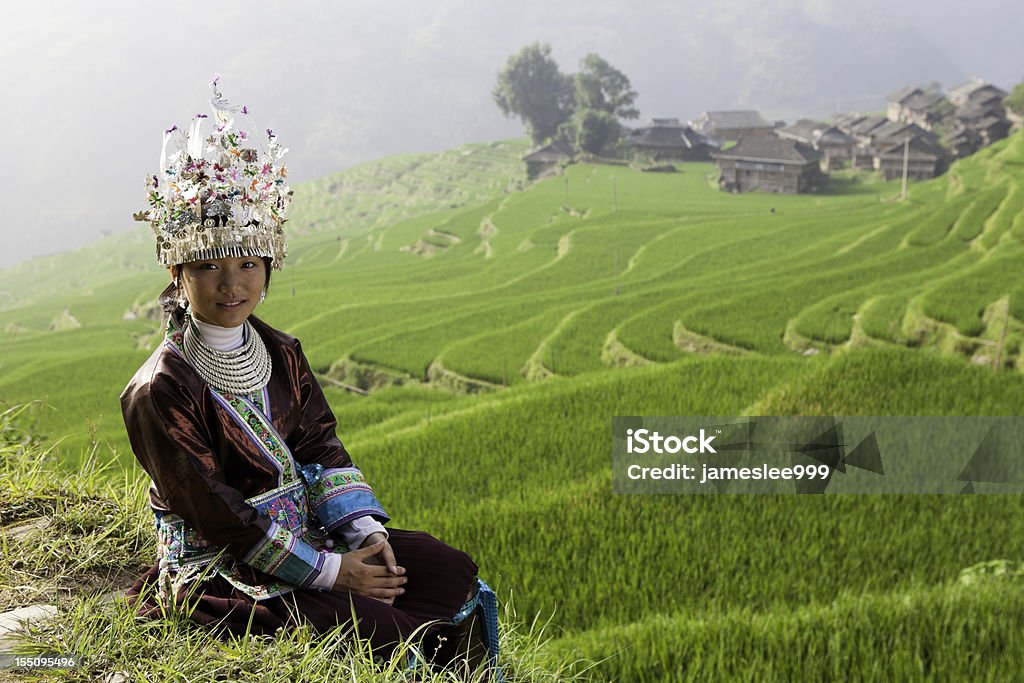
249, 264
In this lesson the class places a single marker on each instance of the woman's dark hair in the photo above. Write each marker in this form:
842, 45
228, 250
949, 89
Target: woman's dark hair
169, 299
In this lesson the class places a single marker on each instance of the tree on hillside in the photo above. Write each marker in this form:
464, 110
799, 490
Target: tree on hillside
603, 96
533, 88
1015, 100
602, 87
592, 130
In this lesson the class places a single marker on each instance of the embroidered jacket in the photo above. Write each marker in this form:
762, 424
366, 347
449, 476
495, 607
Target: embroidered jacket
211, 456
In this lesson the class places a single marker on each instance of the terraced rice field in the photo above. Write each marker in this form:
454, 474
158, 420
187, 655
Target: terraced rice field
500, 337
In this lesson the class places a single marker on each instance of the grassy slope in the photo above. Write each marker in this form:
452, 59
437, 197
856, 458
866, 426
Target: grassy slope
538, 509
529, 285
98, 535
524, 288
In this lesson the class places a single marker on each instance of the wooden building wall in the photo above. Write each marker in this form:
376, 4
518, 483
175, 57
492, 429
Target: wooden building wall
747, 176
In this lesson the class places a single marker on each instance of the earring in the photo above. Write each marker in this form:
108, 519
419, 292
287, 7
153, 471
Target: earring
182, 299
263, 296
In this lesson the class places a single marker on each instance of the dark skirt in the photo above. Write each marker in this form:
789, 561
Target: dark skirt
440, 578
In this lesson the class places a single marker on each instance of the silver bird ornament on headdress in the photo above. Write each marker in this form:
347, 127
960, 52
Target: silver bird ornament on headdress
220, 195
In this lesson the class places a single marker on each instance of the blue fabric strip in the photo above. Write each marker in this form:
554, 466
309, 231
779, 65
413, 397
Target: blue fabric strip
488, 602
341, 494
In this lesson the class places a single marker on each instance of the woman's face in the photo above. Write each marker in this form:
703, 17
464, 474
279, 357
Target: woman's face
224, 291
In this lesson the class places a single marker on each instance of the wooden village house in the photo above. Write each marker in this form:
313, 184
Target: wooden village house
894, 102
924, 159
670, 140
970, 116
770, 164
877, 137
897, 131
722, 126
978, 91
980, 116
837, 148
772, 157
547, 158
889, 142
859, 127
926, 108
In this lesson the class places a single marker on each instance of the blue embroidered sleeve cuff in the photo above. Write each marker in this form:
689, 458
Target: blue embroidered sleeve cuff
340, 495
286, 556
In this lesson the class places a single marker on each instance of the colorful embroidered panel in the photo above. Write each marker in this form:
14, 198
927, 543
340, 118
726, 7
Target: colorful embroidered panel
286, 556
285, 506
340, 495
179, 546
262, 433
261, 400
290, 550
263, 591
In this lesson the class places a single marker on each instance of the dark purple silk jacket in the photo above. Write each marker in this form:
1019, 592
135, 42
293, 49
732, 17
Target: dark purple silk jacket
205, 462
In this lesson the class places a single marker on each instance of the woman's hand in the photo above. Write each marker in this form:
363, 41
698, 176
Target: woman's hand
364, 572
386, 556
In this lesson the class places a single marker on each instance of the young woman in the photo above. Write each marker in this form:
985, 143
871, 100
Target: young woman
262, 517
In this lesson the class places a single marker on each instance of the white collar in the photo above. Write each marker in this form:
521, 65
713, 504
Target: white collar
221, 338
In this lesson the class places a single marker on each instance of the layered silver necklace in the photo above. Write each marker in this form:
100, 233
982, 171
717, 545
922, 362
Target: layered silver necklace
244, 370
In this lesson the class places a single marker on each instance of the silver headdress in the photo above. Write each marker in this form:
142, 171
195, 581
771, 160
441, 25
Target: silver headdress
218, 196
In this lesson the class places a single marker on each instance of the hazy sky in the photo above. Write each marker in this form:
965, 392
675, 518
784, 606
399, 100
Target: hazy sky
90, 86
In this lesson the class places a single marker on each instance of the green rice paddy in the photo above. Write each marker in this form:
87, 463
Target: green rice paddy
503, 325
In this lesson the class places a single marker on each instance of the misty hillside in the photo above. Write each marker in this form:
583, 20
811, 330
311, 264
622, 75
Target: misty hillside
346, 83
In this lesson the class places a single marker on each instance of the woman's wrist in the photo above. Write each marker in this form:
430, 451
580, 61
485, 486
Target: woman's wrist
355, 532
375, 537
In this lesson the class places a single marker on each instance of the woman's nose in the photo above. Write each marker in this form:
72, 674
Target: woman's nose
228, 281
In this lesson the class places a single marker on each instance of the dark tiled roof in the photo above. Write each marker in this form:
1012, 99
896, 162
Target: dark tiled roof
972, 87
990, 121
771, 148
965, 136
834, 136
896, 131
889, 129
967, 88
846, 122
867, 124
694, 139
923, 101
734, 119
845, 116
919, 149
901, 95
815, 133
556, 151
989, 99
668, 135
978, 110
804, 130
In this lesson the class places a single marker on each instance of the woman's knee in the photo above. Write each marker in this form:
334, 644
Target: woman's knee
420, 548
